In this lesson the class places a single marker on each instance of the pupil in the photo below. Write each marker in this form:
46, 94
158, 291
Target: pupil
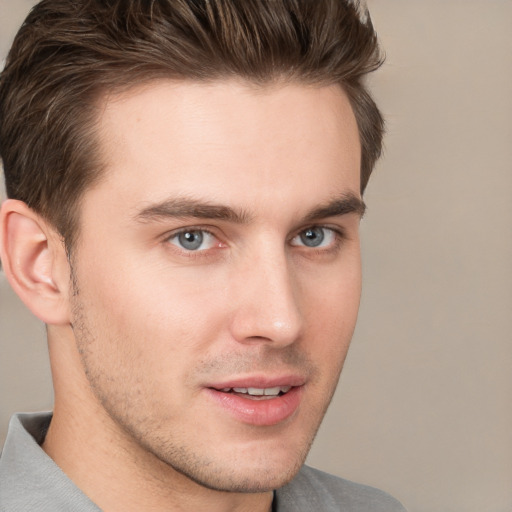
191, 239
312, 237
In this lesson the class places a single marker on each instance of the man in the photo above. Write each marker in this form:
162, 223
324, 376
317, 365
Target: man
185, 181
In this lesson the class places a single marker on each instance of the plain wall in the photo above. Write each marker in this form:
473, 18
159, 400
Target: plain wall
424, 404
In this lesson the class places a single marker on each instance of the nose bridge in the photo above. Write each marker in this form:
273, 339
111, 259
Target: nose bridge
267, 306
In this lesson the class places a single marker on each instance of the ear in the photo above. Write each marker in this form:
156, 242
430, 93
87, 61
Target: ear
35, 262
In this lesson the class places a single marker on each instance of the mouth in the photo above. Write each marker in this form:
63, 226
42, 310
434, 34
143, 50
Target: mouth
260, 403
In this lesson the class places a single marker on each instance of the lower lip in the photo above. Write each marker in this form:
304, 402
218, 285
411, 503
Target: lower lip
258, 412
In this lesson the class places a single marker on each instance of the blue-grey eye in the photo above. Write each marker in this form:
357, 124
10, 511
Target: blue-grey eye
190, 240
312, 237
194, 240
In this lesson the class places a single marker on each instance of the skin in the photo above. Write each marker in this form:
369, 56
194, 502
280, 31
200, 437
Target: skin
147, 326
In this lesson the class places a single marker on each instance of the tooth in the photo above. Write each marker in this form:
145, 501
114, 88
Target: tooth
256, 391
260, 391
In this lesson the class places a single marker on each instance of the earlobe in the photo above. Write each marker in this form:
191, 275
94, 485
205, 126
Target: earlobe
32, 257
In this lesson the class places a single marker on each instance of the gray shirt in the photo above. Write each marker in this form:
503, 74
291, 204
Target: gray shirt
31, 481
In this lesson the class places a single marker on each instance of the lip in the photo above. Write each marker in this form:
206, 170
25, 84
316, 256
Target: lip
258, 412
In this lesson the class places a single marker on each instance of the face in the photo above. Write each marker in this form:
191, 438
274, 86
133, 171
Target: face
217, 274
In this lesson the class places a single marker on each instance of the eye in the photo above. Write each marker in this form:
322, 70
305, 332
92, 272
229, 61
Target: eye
193, 240
315, 237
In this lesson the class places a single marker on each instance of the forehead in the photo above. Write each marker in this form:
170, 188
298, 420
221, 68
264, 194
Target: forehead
229, 140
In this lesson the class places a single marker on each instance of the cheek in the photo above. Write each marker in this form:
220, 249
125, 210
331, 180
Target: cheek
332, 307
334, 291
150, 315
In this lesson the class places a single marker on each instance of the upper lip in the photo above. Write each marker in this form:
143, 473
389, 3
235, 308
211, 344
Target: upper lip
259, 382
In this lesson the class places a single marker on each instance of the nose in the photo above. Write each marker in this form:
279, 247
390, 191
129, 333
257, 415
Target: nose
267, 306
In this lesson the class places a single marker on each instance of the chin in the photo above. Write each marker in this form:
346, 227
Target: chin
246, 480
253, 468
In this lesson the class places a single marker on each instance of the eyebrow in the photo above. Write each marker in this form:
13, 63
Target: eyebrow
343, 205
192, 208
187, 208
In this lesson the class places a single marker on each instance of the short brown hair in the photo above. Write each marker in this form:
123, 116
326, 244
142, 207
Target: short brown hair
69, 53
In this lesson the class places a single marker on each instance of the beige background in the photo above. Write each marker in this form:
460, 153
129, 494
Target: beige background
424, 407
